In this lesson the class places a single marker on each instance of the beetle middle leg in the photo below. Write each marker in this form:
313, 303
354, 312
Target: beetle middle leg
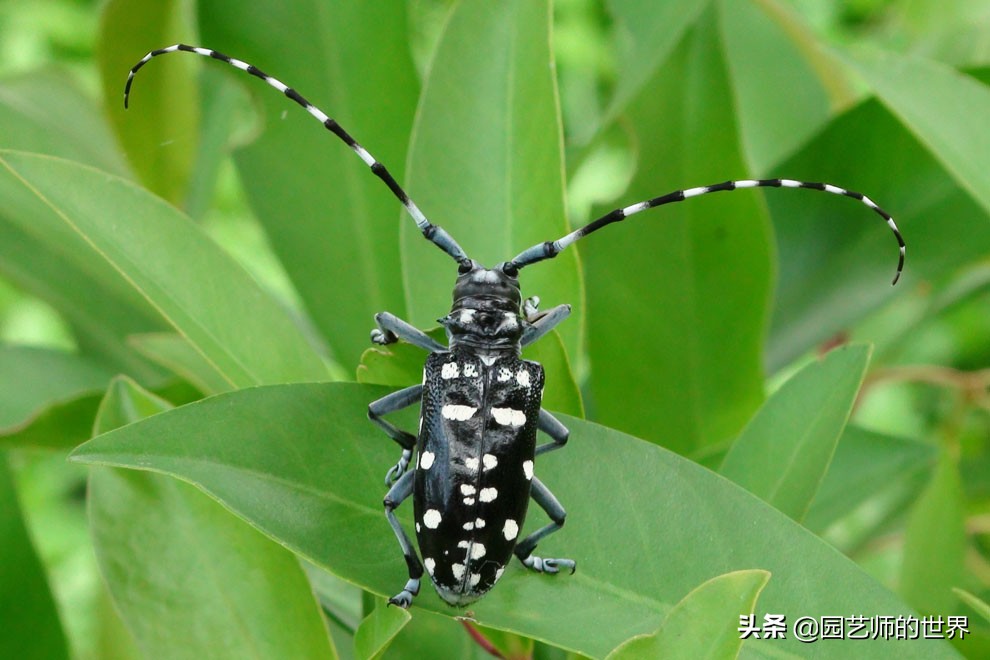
541, 323
397, 495
549, 503
388, 404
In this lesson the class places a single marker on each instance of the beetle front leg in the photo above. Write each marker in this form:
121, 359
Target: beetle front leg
388, 404
391, 329
541, 324
548, 502
397, 495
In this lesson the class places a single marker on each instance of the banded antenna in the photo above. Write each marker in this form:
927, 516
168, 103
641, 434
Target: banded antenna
433, 233
551, 249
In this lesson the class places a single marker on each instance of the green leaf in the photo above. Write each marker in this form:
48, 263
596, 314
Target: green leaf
486, 159
332, 223
705, 623
177, 355
160, 132
935, 542
865, 464
208, 298
836, 258
780, 100
784, 452
980, 606
379, 628
646, 34
942, 107
50, 397
188, 578
47, 113
645, 525
30, 622
668, 287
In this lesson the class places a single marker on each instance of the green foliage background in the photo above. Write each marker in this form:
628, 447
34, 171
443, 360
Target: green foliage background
759, 422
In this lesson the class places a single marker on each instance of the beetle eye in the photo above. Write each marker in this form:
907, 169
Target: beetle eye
465, 267
510, 269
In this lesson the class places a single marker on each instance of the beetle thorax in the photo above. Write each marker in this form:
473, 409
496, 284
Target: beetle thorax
485, 315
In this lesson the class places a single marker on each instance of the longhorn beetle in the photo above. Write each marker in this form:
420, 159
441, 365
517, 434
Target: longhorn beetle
479, 402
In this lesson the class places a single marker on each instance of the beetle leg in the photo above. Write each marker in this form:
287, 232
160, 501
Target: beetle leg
388, 404
552, 427
396, 495
391, 329
524, 550
544, 323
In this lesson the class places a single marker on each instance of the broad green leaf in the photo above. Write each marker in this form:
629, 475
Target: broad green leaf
31, 627
174, 353
935, 542
836, 258
784, 452
942, 107
331, 221
780, 100
668, 288
981, 607
188, 578
160, 132
220, 310
50, 397
865, 464
646, 34
47, 113
379, 628
705, 623
645, 525
486, 159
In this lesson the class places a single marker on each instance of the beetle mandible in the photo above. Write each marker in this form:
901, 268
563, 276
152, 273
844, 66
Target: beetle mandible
480, 403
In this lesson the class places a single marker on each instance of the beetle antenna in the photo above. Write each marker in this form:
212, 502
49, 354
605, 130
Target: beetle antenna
434, 233
551, 249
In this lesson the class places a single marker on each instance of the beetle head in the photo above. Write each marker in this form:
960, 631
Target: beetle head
492, 289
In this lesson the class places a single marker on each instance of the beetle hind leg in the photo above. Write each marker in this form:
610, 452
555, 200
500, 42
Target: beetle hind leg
524, 550
396, 496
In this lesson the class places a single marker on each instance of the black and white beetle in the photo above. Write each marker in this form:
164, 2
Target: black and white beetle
480, 403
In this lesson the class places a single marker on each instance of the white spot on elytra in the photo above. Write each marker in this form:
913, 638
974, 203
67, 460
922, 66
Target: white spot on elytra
498, 573
468, 526
509, 416
479, 523
467, 489
504, 375
470, 371
426, 458
418, 528
457, 570
432, 518
475, 579
477, 551
490, 461
488, 494
523, 378
430, 565
463, 544
528, 469
471, 464
469, 501
458, 413
449, 370
510, 530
